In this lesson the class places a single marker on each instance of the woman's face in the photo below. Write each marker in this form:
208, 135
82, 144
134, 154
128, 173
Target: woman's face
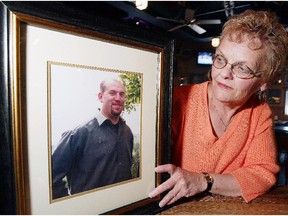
226, 86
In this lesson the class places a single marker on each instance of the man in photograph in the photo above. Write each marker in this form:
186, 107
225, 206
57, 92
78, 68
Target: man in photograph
97, 153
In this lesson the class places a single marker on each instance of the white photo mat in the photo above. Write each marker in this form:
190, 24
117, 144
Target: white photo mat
43, 45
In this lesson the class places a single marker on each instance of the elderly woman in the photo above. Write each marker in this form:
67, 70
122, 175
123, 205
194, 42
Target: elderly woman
222, 130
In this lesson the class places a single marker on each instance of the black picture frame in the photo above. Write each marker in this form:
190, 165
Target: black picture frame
65, 15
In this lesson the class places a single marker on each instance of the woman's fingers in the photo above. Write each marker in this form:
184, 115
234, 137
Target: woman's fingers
167, 185
171, 197
166, 168
181, 183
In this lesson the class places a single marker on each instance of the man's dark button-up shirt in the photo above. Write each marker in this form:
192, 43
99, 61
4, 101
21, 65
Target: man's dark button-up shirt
91, 156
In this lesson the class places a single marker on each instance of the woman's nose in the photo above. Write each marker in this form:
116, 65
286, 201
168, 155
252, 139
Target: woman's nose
227, 72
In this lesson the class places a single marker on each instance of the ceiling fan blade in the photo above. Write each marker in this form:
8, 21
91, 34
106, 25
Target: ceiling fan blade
176, 27
208, 22
221, 10
171, 20
197, 28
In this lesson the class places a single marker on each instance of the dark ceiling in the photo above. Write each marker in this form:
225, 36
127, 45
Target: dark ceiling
125, 11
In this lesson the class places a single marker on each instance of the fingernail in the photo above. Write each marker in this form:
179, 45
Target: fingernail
150, 195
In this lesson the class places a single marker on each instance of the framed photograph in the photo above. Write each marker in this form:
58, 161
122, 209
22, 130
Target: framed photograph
53, 70
75, 89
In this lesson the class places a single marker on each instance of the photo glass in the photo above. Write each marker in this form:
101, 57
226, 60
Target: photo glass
73, 95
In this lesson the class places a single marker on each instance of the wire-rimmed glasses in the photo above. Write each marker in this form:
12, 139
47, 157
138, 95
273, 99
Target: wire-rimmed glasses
239, 69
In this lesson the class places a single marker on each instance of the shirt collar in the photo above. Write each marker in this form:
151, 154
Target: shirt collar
101, 118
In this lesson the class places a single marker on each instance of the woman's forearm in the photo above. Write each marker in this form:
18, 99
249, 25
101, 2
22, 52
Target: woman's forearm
225, 184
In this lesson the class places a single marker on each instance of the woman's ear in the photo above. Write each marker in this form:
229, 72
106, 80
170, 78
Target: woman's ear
263, 87
262, 93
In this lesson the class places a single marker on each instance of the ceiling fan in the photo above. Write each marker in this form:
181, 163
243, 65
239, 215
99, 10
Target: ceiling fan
191, 22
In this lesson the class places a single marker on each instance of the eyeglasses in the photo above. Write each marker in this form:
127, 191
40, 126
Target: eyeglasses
239, 69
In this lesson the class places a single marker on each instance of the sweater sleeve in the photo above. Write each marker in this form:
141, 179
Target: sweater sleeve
258, 173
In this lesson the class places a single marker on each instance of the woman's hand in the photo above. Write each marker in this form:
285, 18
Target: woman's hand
181, 184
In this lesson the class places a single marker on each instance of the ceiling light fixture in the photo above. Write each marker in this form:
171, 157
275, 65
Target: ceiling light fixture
141, 4
215, 42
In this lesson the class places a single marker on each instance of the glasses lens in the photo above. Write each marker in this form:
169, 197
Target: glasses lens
242, 71
219, 61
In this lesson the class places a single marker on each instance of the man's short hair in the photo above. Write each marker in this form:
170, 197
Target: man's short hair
104, 83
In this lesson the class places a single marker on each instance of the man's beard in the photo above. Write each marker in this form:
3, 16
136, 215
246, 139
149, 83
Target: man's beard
116, 113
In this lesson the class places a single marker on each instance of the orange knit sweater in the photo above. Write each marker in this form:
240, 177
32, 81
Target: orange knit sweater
247, 150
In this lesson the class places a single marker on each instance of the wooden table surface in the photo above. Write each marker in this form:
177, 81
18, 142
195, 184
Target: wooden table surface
274, 202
